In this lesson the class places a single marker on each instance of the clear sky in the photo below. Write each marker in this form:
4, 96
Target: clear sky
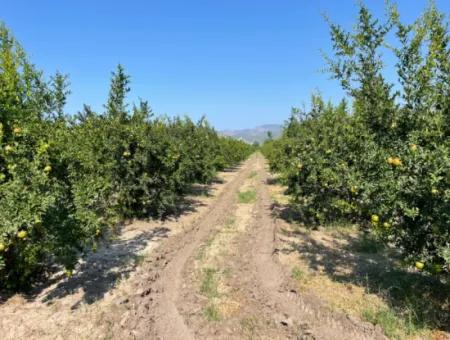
242, 63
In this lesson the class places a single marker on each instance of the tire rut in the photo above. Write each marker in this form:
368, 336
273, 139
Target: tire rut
303, 312
165, 306
155, 314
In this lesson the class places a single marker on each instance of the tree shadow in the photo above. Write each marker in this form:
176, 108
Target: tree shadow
186, 204
273, 181
198, 190
232, 168
99, 272
360, 259
363, 262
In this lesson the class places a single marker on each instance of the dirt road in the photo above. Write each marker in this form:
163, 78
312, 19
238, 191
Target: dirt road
216, 275
221, 278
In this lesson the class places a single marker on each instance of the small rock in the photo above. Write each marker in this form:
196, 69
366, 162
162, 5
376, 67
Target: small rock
144, 292
122, 301
287, 322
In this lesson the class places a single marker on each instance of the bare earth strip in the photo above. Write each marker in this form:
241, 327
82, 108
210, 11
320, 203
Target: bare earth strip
156, 314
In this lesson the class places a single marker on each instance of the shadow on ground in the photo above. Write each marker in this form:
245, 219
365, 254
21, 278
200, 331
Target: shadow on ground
359, 259
100, 271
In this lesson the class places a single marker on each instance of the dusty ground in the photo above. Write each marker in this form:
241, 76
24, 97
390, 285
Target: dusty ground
92, 304
222, 270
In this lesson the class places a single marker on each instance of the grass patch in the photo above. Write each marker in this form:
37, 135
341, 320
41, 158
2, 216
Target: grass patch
211, 313
229, 222
297, 273
387, 319
253, 174
139, 259
249, 326
208, 285
248, 196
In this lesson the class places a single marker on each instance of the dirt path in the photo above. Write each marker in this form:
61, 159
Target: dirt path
221, 279
156, 314
211, 274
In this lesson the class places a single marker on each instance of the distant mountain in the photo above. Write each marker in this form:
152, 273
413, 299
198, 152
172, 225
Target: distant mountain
257, 134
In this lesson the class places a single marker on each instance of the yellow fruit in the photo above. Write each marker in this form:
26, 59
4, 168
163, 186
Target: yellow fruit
387, 225
354, 189
97, 232
390, 160
47, 168
22, 234
420, 265
43, 148
374, 218
9, 148
2, 247
126, 154
69, 273
413, 147
17, 130
434, 191
396, 161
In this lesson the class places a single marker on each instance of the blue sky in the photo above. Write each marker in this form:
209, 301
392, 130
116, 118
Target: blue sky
242, 63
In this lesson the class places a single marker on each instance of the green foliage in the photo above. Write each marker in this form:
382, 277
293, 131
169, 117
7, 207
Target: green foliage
64, 180
385, 162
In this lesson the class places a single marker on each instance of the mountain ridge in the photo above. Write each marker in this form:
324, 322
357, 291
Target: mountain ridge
257, 134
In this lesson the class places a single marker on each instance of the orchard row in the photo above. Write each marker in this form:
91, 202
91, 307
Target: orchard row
64, 181
384, 160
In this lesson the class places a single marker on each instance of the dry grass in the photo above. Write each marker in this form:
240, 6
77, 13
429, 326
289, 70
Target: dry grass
352, 272
211, 263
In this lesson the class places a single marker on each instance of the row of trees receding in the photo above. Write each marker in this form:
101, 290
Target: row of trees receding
384, 161
65, 180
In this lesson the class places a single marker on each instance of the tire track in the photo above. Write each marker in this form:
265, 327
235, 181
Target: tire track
270, 302
306, 313
155, 314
